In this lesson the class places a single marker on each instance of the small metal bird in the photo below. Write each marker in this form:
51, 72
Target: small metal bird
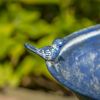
74, 61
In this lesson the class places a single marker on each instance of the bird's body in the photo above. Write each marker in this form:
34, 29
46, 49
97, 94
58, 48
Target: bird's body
76, 63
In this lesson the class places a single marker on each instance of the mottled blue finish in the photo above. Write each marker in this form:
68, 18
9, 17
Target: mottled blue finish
77, 62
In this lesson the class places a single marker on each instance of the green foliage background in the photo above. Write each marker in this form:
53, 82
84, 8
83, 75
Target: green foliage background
38, 22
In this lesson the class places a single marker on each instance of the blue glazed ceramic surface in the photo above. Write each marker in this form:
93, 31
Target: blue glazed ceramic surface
75, 61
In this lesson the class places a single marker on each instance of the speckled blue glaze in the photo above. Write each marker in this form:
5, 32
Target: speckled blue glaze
75, 61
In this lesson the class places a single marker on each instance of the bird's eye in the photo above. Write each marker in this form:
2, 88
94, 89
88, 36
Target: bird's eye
58, 42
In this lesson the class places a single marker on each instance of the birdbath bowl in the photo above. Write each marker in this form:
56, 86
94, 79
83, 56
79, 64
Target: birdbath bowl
74, 61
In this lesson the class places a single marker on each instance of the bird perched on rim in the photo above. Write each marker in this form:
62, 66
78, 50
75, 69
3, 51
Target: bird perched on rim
74, 61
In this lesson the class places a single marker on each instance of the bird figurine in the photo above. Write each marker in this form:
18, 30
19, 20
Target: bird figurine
74, 61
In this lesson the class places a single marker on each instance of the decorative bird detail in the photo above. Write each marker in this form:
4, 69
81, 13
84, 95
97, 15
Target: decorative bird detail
74, 61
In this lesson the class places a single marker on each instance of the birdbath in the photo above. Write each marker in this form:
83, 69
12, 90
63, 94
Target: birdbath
74, 61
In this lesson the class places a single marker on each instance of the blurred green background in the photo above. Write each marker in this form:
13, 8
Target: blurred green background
38, 22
